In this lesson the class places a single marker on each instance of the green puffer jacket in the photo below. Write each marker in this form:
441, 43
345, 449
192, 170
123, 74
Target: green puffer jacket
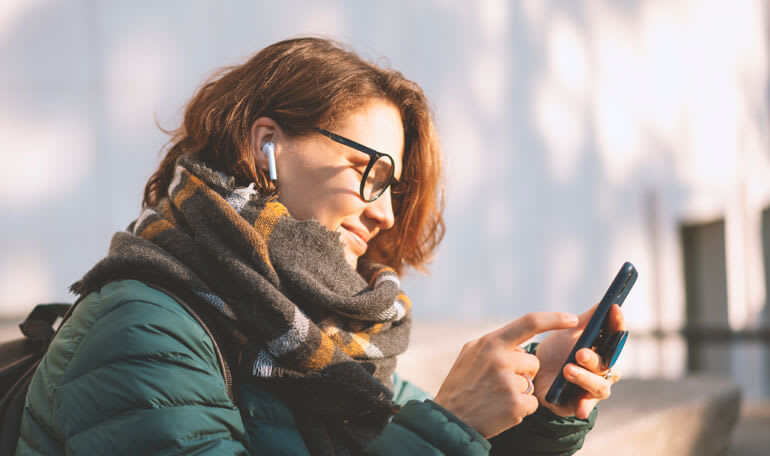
131, 372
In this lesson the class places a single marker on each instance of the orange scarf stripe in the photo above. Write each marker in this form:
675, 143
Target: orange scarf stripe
405, 299
265, 224
322, 355
356, 347
381, 270
166, 212
244, 228
155, 228
192, 184
268, 218
374, 329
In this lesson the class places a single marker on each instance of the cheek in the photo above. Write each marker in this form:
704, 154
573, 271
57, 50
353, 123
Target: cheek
332, 209
325, 202
318, 186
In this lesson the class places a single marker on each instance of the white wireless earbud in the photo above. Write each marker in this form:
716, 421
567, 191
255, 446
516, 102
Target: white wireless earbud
269, 150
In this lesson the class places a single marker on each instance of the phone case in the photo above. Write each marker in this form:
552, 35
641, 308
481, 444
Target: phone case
595, 336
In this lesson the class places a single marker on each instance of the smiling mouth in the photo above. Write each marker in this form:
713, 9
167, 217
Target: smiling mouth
357, 243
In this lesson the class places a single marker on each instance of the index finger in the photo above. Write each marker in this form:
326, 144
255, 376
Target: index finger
522, 329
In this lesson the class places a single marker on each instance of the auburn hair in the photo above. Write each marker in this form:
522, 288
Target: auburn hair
303, 84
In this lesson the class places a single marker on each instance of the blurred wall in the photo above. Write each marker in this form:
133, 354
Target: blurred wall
577, 135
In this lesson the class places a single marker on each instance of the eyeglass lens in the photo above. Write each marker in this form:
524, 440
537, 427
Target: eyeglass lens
378, 178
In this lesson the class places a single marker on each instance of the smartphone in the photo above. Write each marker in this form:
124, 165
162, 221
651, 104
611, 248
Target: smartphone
596, 336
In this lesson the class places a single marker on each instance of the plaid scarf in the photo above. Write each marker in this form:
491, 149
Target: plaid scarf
298, 318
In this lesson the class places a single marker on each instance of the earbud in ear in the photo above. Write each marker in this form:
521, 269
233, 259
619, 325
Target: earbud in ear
269, 150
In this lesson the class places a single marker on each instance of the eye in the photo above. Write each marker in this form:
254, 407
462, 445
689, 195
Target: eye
359, 165
360, 169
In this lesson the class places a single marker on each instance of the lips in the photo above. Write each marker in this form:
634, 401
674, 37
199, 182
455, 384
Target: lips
358, 241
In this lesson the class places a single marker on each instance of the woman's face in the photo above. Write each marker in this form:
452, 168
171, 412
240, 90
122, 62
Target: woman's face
319, 178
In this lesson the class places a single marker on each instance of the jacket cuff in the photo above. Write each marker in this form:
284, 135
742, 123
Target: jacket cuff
544, 432
427, 428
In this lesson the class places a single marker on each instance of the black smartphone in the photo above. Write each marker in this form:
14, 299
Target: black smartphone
596, 335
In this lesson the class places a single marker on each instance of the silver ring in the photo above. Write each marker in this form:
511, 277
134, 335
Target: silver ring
608, 374
530, 386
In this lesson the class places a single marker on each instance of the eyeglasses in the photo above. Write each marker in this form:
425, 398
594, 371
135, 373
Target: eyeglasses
379, 172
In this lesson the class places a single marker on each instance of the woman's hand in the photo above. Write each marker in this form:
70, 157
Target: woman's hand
589, 374
487, 383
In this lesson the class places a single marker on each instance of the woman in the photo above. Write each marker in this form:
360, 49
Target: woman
301, 185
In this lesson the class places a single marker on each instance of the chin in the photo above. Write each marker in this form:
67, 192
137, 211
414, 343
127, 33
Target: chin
352, 260
350, 257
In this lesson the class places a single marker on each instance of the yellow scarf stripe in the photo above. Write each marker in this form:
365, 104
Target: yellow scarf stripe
156, 227
323, 354
265, 224
192, 184
405, 299
374, 329
244, 228
379, 272
356, 347
268, 218
166, 212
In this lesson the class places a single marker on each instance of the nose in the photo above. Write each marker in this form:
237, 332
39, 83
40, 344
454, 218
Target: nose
381, 211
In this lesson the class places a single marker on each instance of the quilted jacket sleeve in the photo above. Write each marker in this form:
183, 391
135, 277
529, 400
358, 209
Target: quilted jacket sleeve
127, 375
421, 423
543, 433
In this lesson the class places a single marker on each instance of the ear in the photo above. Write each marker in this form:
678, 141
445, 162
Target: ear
264, 130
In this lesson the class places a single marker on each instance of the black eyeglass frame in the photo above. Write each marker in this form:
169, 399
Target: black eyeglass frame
373, 157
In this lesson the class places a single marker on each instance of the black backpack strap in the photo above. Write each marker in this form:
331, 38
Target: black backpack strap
39, 330
11, 410
38, 326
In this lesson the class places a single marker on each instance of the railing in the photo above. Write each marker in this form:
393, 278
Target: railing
701, 334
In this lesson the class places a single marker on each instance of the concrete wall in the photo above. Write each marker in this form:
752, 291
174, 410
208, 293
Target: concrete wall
577, 135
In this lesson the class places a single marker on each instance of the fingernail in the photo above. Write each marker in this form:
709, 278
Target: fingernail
571, 318
572, 371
